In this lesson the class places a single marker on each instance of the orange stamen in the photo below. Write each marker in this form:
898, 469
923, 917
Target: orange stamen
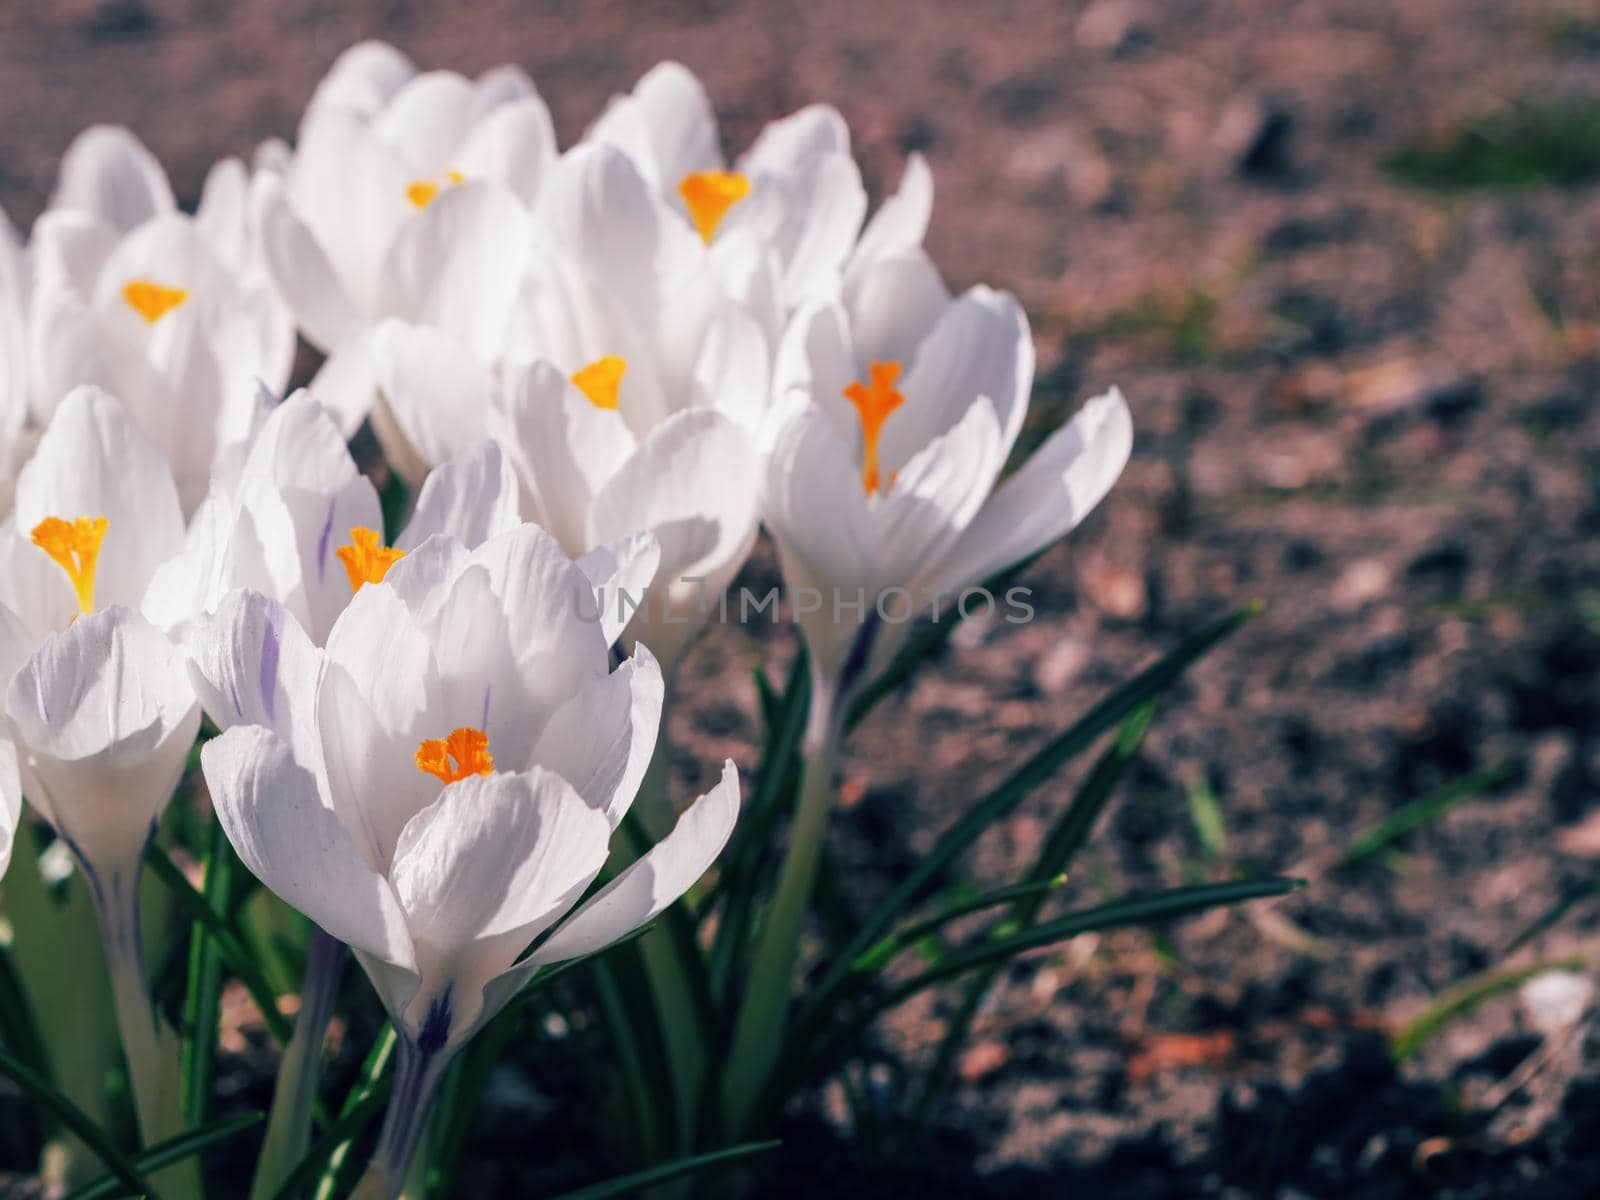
152, 301
601, 380
709, 195
74, 546
465, 752
366, 559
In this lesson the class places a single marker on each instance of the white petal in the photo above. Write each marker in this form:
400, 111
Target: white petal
289, 839
301, 271
666, 125
427, 119
901, 221
10, 800
347, 383
649, 886
565, 448
362, 79
251, 664
482, 871
104, 718
375, 701
602, 739
1048, 495
93, 461
435, 391
456, 264
472, 497
108, 173
894, 302
980, 346
515, 144
621, 572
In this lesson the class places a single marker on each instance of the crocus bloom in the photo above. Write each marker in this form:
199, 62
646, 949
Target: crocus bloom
405, 196
299, 523
135, 297
626, 391
100, 708
900, 407
797, 190
444, 788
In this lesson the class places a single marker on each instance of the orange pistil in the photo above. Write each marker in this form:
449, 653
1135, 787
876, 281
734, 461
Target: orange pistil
465, 752
151, 300
74, 546
709, 195
874, 401
601, 380
366, 559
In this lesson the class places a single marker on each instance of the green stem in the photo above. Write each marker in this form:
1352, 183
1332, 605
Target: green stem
294, 1098
759, 1032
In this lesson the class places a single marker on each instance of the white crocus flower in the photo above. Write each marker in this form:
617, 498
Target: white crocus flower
449, 788
131, 295
627, 391
796, 191
299, 522
100, 709
405, 196
901, 406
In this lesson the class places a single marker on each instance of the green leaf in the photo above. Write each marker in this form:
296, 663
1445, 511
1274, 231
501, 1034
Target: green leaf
18, 1029
1410, 817
41, 1092
1065, 840
879, 956
1466, 996
331, 1155
239, 960
203, 995
740, 871
802, 1058
173, 1150
640, 1181
393, 501
1116, 707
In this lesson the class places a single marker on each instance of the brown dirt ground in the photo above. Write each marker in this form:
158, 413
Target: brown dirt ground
1368, 405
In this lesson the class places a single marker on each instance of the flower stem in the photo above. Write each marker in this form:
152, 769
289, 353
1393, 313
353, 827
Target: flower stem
289, 1124
150, 1048
417, 1074
758, 1036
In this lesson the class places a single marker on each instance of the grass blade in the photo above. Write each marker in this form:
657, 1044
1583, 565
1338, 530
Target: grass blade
639, 1181
203, 995
173, 1150
18, 1028
41, 1092
234, 954
1552, 916
1116, 707
1411, 817
1466, 996
331, 1154
875, 959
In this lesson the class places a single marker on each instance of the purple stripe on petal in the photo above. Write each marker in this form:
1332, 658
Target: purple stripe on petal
488, 689
271, 646
233, 691
322, 543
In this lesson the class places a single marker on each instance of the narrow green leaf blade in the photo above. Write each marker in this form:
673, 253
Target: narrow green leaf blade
640, 1181
1460, 1000
173, 1150
238, 959
1116, 707
74, 1118
1410, 817
203, 995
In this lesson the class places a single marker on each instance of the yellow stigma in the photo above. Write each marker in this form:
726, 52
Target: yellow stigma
366, 559
151, 300
601, 380
465, 752
874, 402
709, 195
74, 546
421, 192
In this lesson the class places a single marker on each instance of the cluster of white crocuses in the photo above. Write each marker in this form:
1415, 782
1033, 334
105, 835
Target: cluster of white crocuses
601, 370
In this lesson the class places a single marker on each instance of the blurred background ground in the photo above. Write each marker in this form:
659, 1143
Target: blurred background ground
1342, 258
